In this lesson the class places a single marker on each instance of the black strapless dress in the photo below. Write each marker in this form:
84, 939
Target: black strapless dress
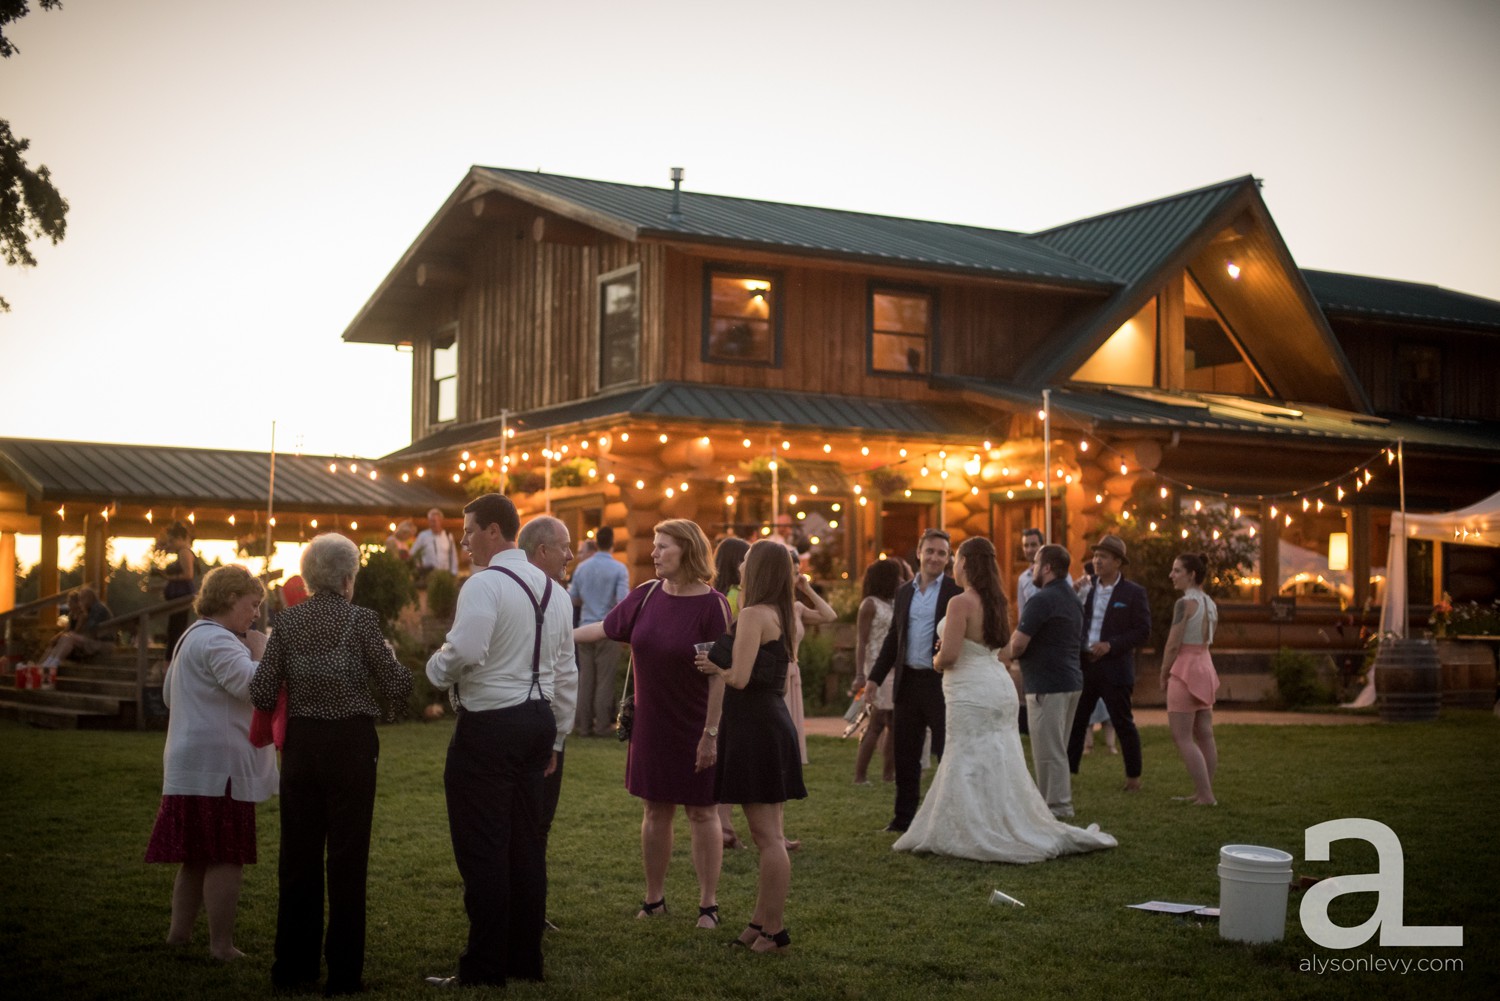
759, 758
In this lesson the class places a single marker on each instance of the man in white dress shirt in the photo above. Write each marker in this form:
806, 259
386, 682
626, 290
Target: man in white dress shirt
510, 646
1031, 542
434, 548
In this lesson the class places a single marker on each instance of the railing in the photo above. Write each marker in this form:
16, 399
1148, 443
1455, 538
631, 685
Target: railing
142, 620
32, 606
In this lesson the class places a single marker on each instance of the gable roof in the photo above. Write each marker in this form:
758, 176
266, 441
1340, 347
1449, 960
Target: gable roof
1147, 245
1360, 295
633, 211
1131, 244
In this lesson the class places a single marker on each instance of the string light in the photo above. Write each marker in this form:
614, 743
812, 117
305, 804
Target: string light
864, 450
662, 438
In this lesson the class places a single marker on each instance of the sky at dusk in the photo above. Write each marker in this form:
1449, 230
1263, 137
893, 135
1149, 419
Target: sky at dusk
242, 175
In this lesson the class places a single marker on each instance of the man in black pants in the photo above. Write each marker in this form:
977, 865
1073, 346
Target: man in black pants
511, 642
547, 546
918, 689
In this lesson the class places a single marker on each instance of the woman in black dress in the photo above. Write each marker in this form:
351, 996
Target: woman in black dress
759, 763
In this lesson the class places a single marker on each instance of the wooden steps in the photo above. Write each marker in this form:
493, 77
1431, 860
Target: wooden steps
97, 695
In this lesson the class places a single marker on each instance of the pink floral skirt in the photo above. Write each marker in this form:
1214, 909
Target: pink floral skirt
203, 829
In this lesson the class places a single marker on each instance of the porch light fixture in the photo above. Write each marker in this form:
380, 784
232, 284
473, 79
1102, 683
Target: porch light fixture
1338, 551
1232, 269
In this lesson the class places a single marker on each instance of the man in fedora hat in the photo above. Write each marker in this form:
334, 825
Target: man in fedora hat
1116, 620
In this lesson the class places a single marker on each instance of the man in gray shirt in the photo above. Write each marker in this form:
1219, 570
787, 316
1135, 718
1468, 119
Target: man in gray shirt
1046, 642
599, 584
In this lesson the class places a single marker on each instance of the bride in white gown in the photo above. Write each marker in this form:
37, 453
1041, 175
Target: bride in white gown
982, 803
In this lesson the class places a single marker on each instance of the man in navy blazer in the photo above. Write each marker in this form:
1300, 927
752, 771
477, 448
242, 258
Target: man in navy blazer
1116, 620
917, 689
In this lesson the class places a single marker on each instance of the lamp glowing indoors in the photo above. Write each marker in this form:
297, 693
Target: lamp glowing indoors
1338, 551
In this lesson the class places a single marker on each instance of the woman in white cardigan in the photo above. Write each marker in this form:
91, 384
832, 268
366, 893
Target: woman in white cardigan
212, 776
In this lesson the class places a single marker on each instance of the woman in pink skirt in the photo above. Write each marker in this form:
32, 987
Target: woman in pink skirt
1188, 676
212, 776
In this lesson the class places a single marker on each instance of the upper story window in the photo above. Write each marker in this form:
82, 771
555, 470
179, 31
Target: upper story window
742, 318
901, 324
620, 328
444, 391
1419, 388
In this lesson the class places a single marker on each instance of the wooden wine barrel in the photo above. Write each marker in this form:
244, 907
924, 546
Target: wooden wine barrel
1468, 673
1408, 680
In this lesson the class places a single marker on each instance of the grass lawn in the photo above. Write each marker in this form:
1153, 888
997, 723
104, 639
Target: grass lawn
82, 916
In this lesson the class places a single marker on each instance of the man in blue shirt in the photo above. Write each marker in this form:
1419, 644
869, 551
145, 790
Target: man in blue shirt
1047, 642
917, 688
599, 584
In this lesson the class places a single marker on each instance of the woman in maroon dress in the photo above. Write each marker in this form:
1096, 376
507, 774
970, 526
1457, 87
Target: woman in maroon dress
673, 744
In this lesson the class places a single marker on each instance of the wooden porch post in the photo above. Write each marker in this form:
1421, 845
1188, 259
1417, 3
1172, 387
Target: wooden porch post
46, 574
1359, 553
7, 576
1270, 556
95, 566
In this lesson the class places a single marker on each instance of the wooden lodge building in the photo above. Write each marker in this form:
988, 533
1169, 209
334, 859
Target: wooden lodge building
622, 354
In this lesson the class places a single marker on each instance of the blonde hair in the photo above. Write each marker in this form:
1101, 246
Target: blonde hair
223, 586
695, 559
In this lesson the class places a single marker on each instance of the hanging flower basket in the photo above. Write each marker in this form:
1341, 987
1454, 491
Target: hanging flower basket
889, 481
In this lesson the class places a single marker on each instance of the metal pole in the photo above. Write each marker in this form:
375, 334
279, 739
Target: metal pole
547, 466
504, 449
1401, 484
1047, 465
271, 499
775, 488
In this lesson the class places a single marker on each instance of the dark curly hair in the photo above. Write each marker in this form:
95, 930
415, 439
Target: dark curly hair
882, 578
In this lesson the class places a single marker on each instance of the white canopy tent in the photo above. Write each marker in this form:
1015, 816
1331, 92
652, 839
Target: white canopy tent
1475, 525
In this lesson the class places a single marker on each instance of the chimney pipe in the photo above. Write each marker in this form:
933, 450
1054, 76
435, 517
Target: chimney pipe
675, 216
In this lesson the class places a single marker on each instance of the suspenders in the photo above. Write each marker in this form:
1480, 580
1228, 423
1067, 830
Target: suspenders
536, 647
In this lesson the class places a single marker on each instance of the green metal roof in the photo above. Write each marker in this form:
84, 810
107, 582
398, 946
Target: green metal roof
63, 471
684, 401
1120, 406
802, 228
1131, 244
1383, 297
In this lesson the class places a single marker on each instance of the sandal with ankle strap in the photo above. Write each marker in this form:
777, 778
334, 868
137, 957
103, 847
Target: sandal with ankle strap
780, 942
711, 912
741, 942
650, 910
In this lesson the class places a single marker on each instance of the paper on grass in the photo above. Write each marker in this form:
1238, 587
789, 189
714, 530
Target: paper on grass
1166, 907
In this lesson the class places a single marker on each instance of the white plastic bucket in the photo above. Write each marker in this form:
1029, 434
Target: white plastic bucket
1253, 885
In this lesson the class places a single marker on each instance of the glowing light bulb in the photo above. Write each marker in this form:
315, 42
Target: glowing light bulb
786, 446
745, 442
640, 484
624, 435
662, 438
1153, 526
864, 450
837, 508
464, 455
827, 448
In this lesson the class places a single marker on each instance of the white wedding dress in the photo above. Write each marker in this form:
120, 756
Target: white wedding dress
982, 803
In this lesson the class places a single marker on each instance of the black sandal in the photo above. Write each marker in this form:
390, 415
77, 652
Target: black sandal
711, 912
649, 910
741, 942
781, 941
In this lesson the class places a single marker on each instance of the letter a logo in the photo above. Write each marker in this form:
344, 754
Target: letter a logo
1388, 884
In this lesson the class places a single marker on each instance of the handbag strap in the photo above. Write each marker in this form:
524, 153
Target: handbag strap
630, 660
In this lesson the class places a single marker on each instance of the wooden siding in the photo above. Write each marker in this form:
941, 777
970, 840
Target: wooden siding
981, 328
1470, 361
528, 325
